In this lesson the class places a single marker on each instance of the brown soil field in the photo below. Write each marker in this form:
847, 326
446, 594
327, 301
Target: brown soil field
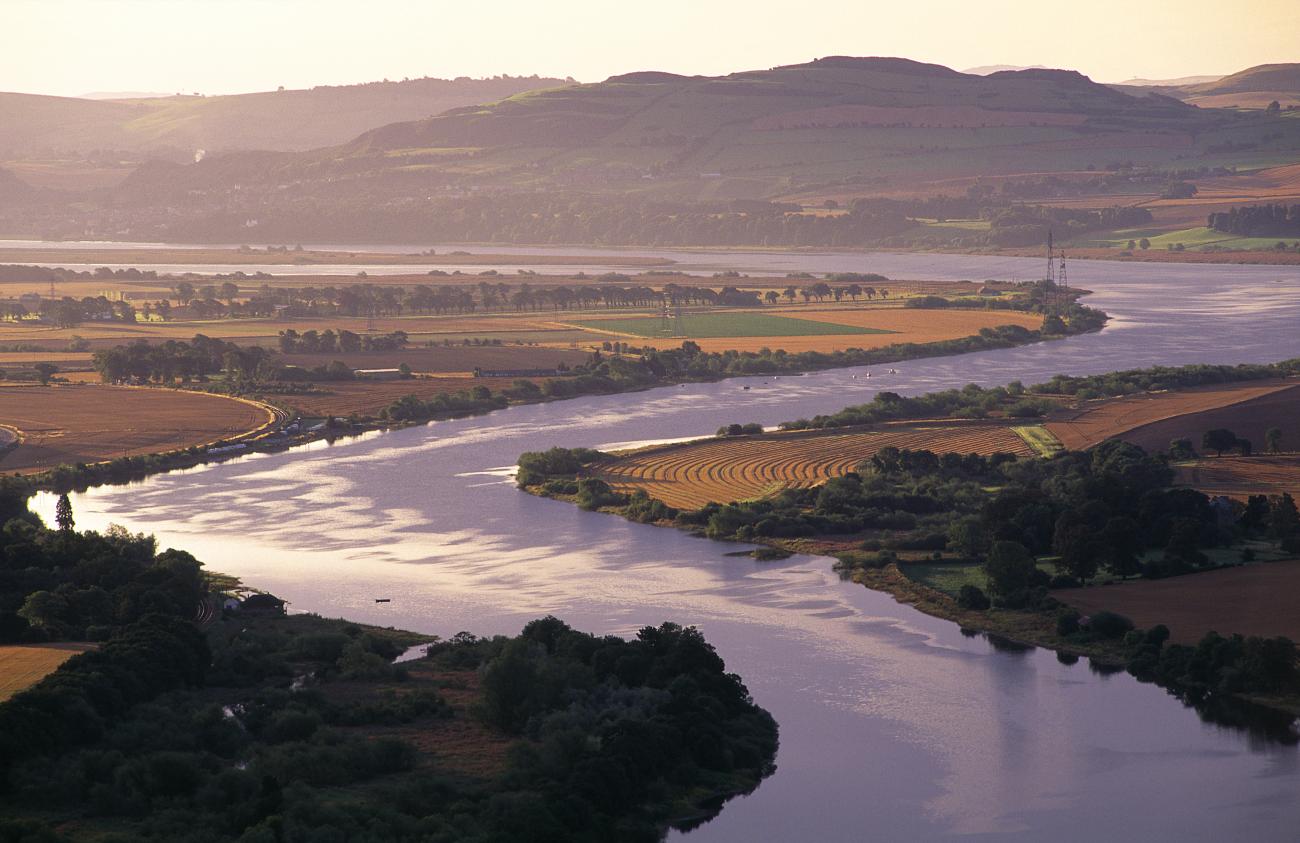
76, 359
1096, 421
367, 398
269, 328
455, 358
908, 325
729, 469
22, 666
1241, 477
1249, 419
1251, 600
84, 423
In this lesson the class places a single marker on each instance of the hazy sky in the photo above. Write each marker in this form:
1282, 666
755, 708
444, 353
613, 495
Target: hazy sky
73, 47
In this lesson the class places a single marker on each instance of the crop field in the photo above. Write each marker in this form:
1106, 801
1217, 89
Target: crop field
1249, 419
727, 324
729, 469
1095, 422
1241, 477
1255, 599
87, 423
367, 398
22, 666
453, 358
902, 324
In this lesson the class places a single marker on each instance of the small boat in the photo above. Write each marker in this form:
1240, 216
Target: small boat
383, 600
745, 387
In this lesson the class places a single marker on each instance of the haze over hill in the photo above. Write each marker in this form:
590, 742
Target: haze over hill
32, 125
1254, 87
657, 150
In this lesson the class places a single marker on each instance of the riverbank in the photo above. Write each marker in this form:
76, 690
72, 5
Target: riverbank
606, 375
893, 519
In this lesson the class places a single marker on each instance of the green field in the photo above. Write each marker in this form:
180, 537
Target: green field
1190, 238
1040, 439
709, 325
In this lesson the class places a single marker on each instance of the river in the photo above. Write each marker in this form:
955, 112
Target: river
894, 725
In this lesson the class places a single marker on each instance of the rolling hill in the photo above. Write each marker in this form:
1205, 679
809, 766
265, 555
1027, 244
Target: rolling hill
641, 153
33, 126
1254, 87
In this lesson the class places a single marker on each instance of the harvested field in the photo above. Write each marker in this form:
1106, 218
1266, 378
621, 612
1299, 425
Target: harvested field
747, 467
367, 398
263, 330
22, 666
88, 423
1241, 477
1252, 600
1097, 421
906, 325
455, 358
726, 324
77, 359
1249, 419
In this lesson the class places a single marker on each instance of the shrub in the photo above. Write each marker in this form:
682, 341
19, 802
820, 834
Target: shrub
972, 597
1109, 625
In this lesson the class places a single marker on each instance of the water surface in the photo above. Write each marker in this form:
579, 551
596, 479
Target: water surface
893, 724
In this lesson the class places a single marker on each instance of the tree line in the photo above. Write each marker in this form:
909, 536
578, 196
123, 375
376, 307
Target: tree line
1273, 220
171, 732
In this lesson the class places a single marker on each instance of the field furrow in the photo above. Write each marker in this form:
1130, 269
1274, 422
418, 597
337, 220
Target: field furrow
723, 470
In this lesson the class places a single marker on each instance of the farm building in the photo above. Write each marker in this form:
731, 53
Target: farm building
378, 374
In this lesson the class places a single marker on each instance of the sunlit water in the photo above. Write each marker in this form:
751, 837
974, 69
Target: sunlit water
894, 726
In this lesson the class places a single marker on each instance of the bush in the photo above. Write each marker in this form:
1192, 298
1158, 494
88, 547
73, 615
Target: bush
972, 597
1109, 625
1067, 623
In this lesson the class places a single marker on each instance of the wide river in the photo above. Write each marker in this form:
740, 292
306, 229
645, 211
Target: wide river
894, 726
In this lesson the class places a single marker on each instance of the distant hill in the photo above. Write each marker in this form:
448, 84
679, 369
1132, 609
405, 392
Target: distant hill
13, 190
650, 144
32, 125
1169, 83
1254, 87
986, 69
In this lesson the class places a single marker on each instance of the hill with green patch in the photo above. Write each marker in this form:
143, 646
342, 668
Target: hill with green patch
657, 158
32, 125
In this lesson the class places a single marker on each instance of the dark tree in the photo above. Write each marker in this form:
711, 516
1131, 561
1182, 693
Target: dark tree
1010, 568
63, 513
1219, 440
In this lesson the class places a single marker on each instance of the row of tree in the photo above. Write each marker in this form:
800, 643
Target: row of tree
1257, 221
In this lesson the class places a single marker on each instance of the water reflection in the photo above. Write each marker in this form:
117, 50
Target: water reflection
894, 725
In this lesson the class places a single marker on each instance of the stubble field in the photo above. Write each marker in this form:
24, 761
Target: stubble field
88, 423
729, 469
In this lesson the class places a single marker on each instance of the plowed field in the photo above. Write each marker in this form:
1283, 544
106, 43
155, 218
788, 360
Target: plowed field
70, 424
1240, 477
743, 468
1122, 417
1254, 600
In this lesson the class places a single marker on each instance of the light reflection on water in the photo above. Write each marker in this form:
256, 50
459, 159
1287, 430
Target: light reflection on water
894, 725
